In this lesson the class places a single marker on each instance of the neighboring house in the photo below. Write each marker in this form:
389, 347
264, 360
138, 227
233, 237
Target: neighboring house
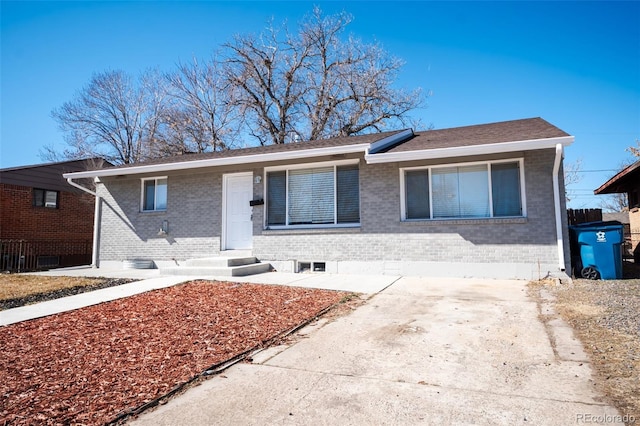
623, 218
627, 181
481, 201
44, 221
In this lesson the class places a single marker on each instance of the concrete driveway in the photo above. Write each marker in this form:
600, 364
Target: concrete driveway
422, 351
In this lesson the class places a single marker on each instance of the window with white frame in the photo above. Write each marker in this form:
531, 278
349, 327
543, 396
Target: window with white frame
154, 194
320, 195
478, 190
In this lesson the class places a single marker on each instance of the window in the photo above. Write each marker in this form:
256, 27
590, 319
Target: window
45, 198
319, 196
154, 194
463, 191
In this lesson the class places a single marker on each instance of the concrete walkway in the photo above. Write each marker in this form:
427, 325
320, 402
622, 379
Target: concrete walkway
422, 351
151, 280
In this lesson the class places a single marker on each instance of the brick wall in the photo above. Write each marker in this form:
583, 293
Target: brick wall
19, 219
384, 237
194, 215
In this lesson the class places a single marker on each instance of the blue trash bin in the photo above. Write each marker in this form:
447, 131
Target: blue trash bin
596, 249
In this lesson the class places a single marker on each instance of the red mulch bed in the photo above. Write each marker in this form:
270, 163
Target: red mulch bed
92, 365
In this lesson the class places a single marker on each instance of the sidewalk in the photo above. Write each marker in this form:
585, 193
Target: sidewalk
151, 280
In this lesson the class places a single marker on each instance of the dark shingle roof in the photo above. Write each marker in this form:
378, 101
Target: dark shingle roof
399, 141
288, 147
481, 134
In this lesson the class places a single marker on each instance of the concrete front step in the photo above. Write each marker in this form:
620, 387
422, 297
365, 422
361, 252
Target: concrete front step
229, 266
221, 262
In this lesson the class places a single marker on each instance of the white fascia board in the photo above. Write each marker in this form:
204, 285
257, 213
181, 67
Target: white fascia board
225, 161
463, 151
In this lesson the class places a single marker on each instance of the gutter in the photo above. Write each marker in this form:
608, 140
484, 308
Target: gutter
95, 260
556, 202
223, 161
472, 150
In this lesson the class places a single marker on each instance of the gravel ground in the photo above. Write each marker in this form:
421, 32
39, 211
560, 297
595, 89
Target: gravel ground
605, 315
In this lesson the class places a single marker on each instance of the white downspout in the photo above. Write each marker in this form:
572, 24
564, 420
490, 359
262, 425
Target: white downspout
556, 201
95, 260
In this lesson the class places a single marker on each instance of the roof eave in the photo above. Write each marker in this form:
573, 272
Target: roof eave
464, 151
615, 185
224, 161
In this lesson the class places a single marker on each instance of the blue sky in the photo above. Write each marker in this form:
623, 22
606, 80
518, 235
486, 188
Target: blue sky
575, 64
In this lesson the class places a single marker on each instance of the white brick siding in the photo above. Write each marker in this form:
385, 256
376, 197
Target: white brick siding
194, 215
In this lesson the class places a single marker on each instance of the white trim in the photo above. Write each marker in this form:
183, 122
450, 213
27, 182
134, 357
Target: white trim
287, 168
368, 149
312, 226
403, 194
225, 180
460, 151
95, 257
556, 202
87, 190
488, 163
155, 195
490, 187
226, 161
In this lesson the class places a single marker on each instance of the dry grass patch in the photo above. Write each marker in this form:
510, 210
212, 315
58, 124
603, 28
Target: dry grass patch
14, 286
606, 317
20, 290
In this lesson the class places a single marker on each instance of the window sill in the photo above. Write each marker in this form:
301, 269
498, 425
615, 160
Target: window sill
312, 230
153, 212
466, 221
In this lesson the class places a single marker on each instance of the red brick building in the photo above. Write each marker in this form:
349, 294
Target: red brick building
44, 221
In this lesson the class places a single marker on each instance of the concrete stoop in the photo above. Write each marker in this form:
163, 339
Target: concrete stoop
221, 266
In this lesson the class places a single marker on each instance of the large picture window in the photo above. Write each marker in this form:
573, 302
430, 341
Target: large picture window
154, 194
324, 195
463, 191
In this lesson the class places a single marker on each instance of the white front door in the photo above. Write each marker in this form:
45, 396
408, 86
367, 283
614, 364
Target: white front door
237, 223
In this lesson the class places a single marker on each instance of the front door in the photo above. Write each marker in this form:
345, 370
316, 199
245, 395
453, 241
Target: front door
237, 223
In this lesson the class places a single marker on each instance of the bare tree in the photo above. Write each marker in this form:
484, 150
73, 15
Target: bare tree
572, 176
314, 84
352, 82
265, 71
614, 203
635, 150
200, 116
114, 117
276, 87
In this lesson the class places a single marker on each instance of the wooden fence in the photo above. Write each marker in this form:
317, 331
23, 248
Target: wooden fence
577, 216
